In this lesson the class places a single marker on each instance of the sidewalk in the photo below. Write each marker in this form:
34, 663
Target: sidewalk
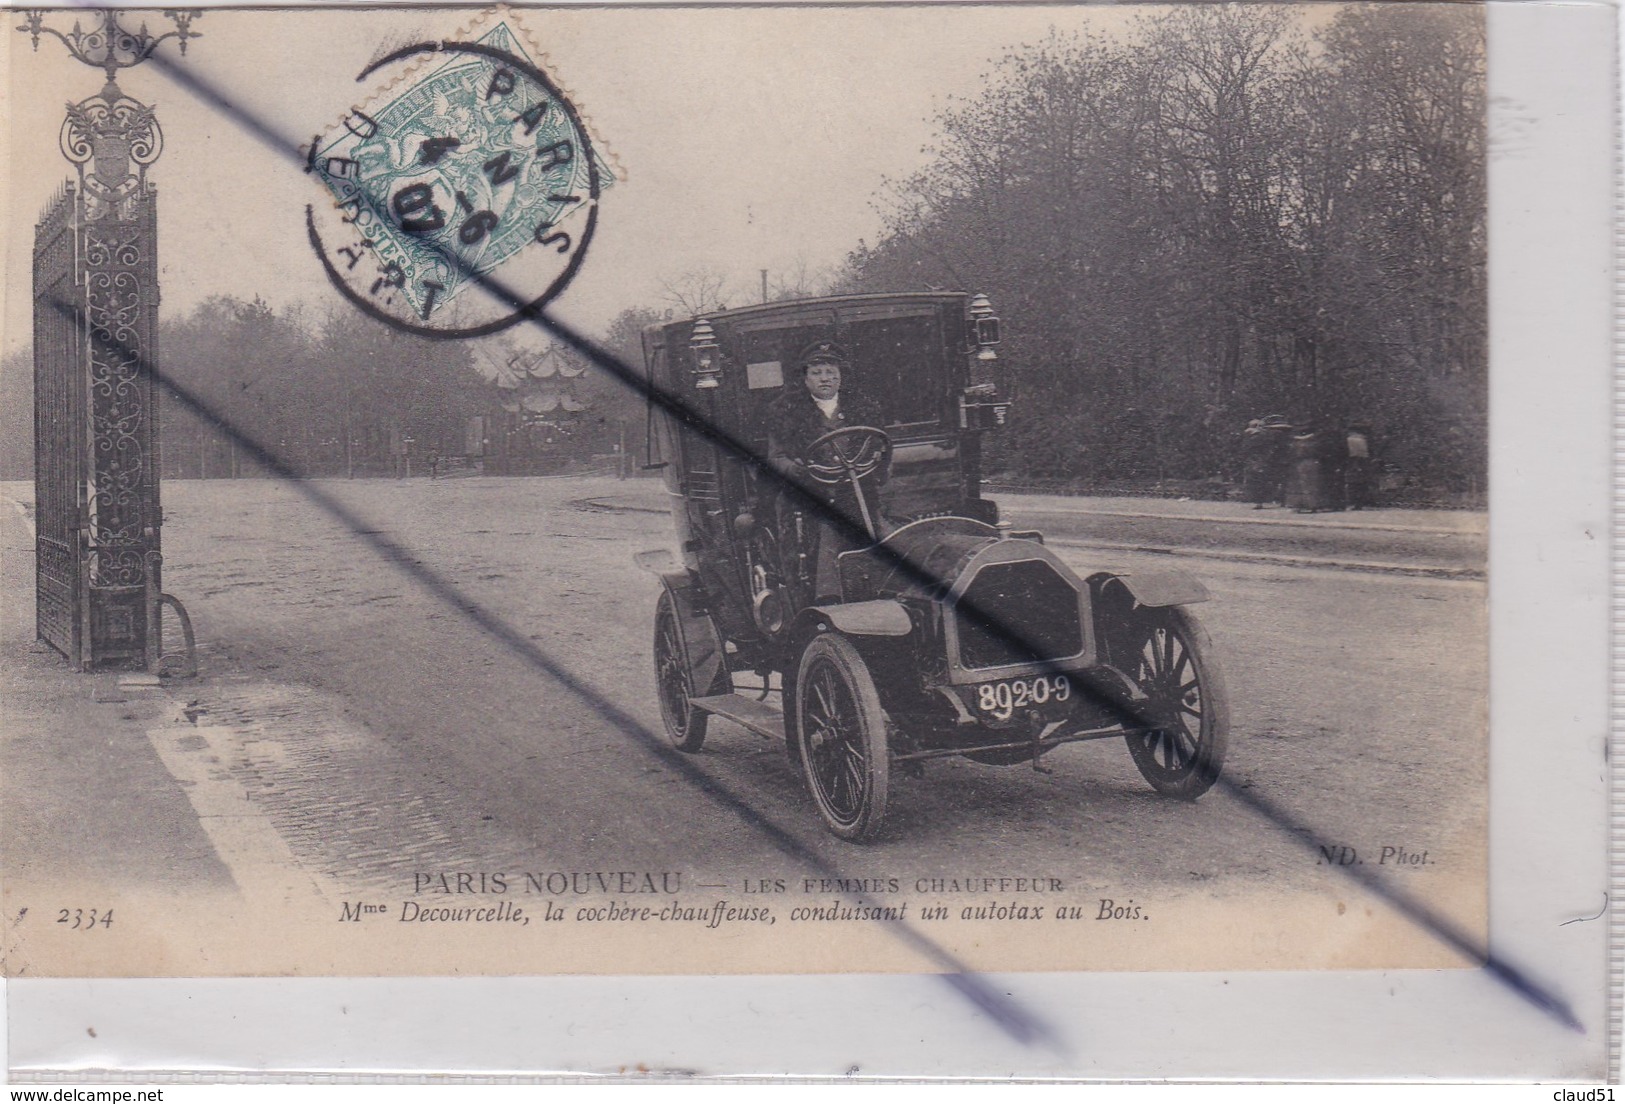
1380, 520
85, 799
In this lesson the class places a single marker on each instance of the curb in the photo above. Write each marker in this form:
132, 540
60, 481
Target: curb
1373, 567
1266, 559
605, 504
1294, 523
606, 507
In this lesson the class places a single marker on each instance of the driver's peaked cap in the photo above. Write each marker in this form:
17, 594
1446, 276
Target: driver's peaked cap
822, 352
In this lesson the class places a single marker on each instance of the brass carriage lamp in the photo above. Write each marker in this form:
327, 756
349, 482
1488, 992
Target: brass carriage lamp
986, 326
980, 407
703, 344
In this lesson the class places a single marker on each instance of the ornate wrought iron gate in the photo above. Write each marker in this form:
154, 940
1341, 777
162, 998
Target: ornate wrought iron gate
96, 439
60, 367
99, 597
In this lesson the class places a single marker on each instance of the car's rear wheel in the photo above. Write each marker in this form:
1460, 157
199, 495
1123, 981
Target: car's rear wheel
1186, 711
841, 735
685, 725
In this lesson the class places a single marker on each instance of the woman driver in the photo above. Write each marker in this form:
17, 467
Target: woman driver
800, 417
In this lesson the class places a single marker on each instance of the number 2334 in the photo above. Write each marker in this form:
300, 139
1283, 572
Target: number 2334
84, 919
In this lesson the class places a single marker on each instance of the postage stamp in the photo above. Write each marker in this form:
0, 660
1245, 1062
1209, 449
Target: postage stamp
465, 197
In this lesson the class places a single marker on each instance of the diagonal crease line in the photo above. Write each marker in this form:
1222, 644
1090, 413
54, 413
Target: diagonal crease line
1014, 1020
1415, 909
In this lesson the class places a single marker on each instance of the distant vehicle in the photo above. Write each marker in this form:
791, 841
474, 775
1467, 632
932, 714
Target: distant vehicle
946, 633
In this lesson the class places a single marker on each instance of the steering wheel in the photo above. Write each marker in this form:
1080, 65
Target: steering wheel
848, 453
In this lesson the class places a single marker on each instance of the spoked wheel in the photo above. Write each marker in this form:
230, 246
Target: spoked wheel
685, 725
1187, 706
841, 735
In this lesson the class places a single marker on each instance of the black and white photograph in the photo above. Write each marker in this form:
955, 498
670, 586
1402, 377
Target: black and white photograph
749, 491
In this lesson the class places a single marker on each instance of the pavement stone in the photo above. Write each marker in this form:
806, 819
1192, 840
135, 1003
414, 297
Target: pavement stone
84, 796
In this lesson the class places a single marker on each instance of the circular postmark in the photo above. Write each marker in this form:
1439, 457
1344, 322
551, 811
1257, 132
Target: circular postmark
463, 200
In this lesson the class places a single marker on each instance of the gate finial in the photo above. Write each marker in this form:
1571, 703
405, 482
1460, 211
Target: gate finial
108, 46
111, 138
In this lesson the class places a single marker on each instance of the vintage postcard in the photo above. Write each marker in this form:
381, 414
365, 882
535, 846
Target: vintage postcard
538, 491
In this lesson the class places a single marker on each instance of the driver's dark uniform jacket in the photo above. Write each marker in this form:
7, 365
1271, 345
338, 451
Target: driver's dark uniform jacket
794, 422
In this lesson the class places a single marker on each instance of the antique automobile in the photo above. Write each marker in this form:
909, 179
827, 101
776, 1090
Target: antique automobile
943, 632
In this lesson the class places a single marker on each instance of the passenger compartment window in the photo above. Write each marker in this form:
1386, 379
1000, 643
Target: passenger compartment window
899, 363
770, 367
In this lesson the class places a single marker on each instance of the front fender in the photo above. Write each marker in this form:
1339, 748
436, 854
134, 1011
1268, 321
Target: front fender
1169, 587
880, 617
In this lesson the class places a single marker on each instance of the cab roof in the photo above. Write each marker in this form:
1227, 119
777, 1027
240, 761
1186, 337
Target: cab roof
794, 306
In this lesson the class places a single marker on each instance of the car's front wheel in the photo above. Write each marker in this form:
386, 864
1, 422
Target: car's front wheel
1185, 716
841, 734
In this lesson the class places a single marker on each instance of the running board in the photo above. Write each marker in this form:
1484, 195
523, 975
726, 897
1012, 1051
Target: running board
758, 716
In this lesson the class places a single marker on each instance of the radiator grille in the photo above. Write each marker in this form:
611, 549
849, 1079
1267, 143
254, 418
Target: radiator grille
1021, 612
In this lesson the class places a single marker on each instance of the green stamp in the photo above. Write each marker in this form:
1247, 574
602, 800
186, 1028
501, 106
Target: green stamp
464, 201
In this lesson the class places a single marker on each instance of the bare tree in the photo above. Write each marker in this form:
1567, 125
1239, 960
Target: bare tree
801, 279
695, 292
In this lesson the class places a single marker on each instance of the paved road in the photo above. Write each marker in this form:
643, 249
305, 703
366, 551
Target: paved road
458, 677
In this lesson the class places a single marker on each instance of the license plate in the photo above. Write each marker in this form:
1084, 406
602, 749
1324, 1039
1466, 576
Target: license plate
1001, 699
